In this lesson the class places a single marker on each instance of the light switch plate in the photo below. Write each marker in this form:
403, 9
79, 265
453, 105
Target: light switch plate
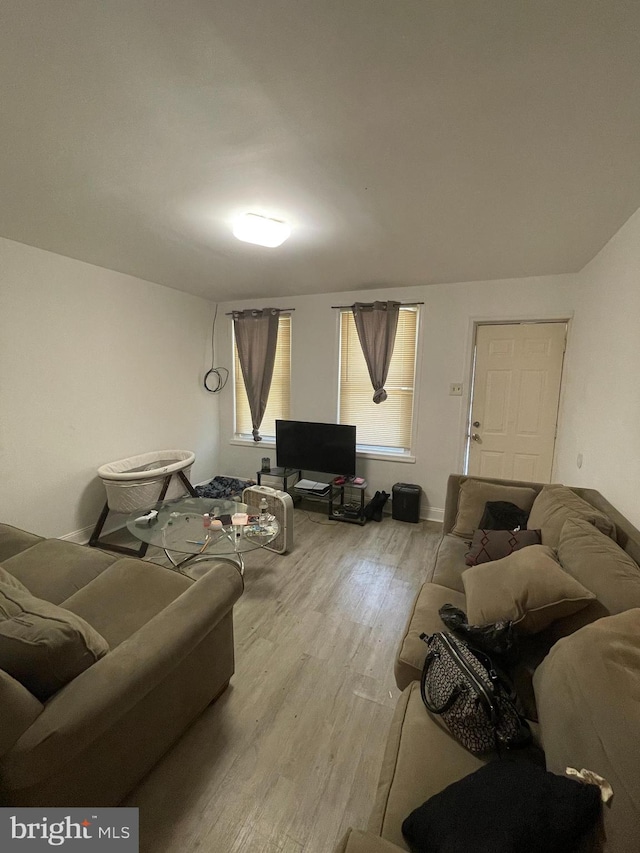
455, 389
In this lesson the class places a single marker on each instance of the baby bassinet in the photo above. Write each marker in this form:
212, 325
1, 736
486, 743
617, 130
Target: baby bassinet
137, 483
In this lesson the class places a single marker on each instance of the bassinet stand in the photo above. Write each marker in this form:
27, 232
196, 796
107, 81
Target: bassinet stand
95, 542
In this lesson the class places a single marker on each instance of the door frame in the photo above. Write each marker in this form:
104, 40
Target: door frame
470, 357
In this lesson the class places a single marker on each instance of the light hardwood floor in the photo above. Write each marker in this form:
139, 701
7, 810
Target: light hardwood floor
289, 756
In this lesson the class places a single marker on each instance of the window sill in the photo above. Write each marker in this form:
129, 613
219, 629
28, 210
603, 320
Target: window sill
385, 457
249, 442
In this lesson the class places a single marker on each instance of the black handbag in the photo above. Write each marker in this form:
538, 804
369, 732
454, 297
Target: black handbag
503, 515
476, 704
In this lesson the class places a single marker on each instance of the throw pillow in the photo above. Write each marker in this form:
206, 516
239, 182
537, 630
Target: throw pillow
556, 504
489, 545
43, 646
507, 805
529, 588
473, 496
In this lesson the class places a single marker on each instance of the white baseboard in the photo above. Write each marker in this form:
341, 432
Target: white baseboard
82, 536
434, 513
113, 523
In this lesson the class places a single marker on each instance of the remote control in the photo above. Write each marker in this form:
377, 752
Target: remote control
148, 518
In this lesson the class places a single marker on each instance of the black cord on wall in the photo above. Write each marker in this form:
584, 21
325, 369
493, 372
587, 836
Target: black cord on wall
216, 377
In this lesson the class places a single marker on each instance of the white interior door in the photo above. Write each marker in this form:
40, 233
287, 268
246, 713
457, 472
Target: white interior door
514, 409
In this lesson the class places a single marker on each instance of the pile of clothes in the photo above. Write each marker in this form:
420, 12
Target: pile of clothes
224, 487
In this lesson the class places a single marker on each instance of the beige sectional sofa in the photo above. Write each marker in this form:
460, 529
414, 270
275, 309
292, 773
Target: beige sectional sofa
580, 676
156, 649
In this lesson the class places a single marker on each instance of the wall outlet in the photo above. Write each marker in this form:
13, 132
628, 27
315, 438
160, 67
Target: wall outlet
455, 389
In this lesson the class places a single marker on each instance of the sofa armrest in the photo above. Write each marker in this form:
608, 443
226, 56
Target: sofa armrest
13, 541
451, 502
91, 704
356, 841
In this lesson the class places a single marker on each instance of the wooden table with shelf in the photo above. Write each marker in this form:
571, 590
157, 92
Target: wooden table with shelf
347, 510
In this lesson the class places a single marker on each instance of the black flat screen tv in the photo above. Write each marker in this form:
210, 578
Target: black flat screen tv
325, 448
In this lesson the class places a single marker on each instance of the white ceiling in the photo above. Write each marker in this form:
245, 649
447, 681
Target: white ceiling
405, 141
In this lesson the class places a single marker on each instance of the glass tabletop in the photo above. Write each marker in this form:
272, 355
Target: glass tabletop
178, 526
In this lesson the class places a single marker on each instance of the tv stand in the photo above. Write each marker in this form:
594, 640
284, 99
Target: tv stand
284, 473
345, 500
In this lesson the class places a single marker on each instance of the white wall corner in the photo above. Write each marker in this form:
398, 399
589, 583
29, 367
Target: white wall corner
434, 513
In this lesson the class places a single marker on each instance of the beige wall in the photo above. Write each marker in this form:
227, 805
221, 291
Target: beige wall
600, 413
445, 355
95, 366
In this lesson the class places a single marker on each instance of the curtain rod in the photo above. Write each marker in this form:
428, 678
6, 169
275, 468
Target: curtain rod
369, 304
281, 310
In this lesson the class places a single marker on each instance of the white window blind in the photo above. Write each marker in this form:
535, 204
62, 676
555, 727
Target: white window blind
387, 424
279, 402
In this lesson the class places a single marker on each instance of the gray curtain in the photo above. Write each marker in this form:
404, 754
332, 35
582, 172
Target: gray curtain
256, 332
376, 325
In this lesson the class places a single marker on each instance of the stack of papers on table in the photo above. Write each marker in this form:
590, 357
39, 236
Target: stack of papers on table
312, 487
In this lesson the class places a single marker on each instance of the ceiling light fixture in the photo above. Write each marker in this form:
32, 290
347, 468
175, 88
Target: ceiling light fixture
253, 228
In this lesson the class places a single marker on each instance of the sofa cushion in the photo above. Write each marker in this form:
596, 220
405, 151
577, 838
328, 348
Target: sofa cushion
449, 563
7, 578
554, 505
19, 709
13, 541
54, 569
424, 617
473, 496
529, 588
489, 545
41, 645
593, 677
421, 758
126, 596
598, 563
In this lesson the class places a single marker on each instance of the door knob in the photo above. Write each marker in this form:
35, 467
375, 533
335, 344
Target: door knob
476, 423
475, 436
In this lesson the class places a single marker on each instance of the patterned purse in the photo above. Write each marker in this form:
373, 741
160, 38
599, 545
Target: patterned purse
462, 687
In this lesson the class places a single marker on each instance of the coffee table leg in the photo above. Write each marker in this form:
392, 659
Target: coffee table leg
236, 560
175, 564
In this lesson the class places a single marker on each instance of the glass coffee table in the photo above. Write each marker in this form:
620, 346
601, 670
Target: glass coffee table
177, 526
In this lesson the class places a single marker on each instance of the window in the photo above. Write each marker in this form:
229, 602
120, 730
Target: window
385, 426
280, 394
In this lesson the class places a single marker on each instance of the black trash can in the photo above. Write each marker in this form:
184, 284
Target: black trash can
405, 505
